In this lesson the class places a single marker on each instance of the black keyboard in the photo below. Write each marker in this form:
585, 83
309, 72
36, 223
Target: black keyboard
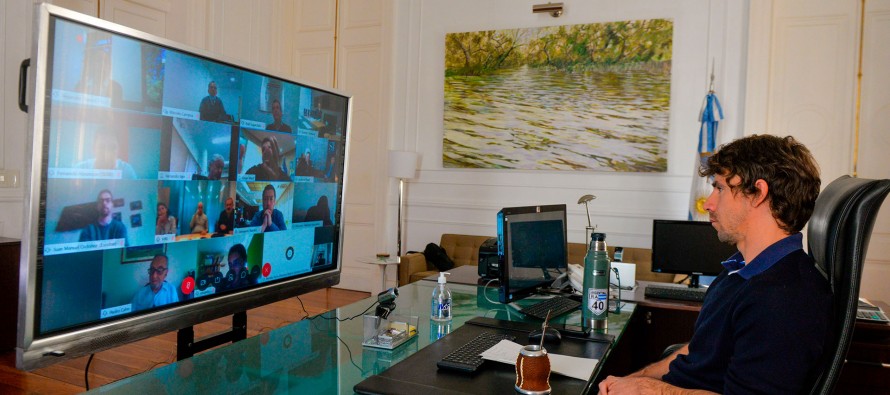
466, 357
871, 315
557, 306
676, 293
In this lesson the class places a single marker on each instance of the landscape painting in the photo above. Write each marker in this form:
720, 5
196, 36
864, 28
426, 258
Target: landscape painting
591, 97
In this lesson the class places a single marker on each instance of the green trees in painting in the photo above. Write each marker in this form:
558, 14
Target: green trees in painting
626, 44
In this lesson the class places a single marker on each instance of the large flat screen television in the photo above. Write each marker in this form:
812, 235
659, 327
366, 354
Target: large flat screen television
532, 249
688, 247
168, 187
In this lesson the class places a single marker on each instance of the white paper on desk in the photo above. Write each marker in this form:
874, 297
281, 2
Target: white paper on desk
579, 368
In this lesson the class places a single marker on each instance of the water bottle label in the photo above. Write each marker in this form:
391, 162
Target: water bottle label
443, 310
597, 301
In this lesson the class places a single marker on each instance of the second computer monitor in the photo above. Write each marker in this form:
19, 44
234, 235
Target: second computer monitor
531, 247
688, 247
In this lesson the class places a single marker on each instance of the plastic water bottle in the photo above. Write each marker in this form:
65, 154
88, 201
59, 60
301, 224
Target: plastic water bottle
595, 300
438, 329
440, 305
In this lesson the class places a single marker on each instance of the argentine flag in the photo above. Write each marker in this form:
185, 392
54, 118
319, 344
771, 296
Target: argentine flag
710, 116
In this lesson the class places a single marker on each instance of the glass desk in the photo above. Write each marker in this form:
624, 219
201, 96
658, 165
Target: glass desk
307, 356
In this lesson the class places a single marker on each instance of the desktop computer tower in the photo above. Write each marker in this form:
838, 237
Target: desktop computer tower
489, 264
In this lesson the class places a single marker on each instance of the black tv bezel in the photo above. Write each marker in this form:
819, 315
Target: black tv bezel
658, 268
506, 294
34, 351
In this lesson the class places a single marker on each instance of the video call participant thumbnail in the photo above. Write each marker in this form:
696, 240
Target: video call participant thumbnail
158, 291
277, 125
237, 275
105, 227
214, 169
270, 167
106, 156
321, 211
287, 253
212, 108
269, 219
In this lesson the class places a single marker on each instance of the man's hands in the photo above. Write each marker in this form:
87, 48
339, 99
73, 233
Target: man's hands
646, 380
634, 385
267, 219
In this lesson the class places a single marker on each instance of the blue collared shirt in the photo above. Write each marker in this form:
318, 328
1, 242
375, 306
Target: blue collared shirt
766, 259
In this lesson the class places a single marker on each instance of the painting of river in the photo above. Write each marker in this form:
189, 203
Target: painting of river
592, 97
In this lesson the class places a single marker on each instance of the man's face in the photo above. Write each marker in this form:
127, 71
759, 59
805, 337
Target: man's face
728, 209
276, 111
267, 152
268, 199
104, 203
105, 150
211, 89
230, 205
157, 273
216, 168
200, 208
235, 263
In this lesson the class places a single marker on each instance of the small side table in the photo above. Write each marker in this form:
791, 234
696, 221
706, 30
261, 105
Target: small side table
382, 263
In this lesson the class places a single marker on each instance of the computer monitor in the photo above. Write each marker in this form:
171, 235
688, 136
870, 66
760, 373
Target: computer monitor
688, 247
531, 249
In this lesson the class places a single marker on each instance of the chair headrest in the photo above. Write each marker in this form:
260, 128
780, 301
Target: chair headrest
834, 216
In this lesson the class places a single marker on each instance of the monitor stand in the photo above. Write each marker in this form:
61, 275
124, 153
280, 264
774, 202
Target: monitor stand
186, 346
694, 281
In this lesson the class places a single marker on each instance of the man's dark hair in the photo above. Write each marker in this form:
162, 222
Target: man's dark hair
269, 187
786, 165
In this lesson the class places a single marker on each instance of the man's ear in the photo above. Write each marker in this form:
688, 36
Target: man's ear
763, 192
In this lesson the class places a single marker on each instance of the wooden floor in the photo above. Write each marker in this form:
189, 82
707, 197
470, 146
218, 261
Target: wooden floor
121, 362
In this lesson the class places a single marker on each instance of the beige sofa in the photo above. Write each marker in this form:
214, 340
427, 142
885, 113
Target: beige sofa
464, 250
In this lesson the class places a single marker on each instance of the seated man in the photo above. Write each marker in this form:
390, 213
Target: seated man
225, 224
269, 219
158, 291
105, 227
198, 224
270, 168
277, 124
764, 320
211, 107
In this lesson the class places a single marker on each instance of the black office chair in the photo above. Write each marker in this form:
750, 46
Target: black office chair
838, 235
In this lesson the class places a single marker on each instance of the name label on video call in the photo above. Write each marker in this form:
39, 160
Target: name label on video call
246, 123
117, 310
165, 238
174, 175
64, 96
65, 248
68, 172
175, 112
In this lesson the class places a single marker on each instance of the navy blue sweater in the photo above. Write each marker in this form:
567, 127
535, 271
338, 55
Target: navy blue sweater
763, 334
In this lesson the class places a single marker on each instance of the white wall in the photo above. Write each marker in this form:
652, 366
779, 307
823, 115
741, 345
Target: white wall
802, 80
466, 201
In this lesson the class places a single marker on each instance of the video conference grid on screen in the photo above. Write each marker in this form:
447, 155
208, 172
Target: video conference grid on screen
178, 180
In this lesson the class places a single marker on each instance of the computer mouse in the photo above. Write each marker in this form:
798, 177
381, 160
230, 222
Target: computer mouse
551, 336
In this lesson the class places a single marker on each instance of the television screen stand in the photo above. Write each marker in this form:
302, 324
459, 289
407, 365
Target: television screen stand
186, 346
